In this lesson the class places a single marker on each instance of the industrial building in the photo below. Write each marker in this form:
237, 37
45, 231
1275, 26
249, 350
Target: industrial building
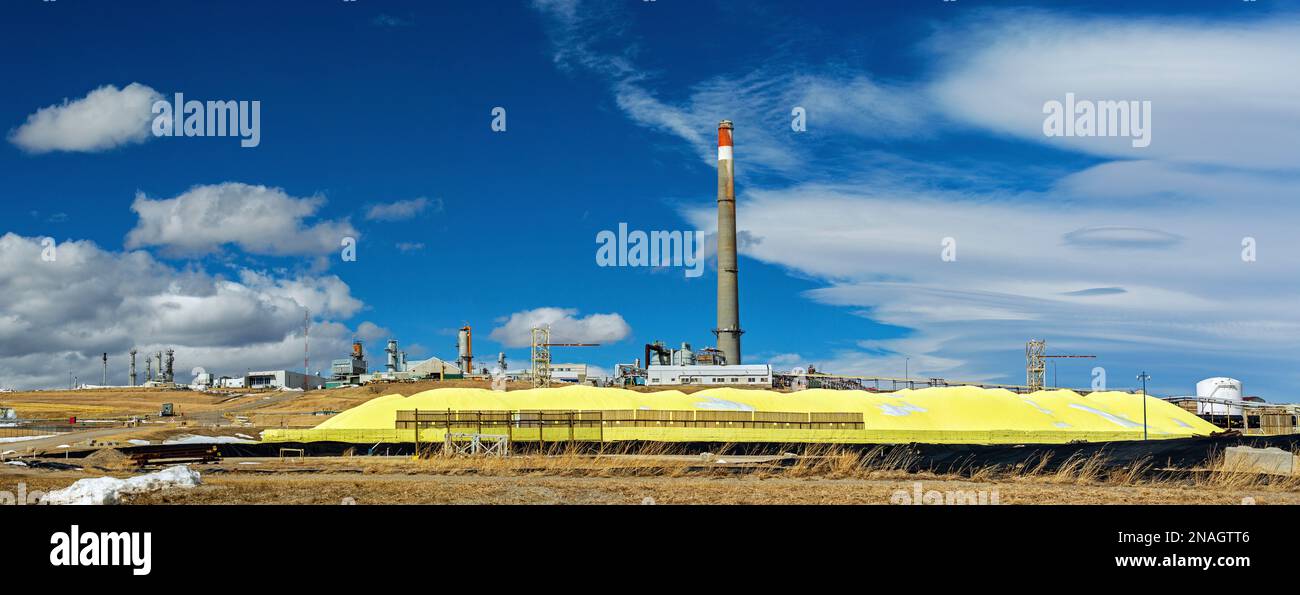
435, 368
747, 375
566, 373
282, 379
351, 368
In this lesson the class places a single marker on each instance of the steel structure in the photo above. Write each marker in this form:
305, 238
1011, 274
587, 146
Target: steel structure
1035, 364
541, 357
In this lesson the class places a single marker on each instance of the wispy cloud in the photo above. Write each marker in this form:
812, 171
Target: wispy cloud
402, 209
1137, 259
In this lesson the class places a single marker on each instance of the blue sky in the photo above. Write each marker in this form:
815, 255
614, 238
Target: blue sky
924, 122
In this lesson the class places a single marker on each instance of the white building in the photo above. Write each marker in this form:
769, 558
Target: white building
570, 373
283, 379
742, 375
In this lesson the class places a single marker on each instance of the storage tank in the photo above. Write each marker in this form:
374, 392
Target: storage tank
392, 356
684, 356
1228, 389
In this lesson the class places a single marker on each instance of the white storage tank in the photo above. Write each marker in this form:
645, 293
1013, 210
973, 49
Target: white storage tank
1224, 389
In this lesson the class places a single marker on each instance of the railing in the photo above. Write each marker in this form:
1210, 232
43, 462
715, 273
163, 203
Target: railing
558, 425
25, 430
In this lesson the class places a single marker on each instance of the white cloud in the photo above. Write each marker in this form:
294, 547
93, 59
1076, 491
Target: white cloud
257, 219
1223, 93
325, 296
1039, 266
368, 331
566, 327
59, 316
105, 118
402, 209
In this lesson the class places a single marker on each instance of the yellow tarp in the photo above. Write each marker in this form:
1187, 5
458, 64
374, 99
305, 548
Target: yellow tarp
932, 415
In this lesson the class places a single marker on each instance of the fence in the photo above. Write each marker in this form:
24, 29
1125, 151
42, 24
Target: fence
559, 426
19, 431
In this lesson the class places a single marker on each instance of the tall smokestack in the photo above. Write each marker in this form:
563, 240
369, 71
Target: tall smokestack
728, 331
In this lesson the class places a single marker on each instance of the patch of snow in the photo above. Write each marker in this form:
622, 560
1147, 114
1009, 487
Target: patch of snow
900, 410
249, 463
108, 490
139, 442
1035, 405
16, 463
1118, 420
207, 440
716, 404
245, 436
22, 438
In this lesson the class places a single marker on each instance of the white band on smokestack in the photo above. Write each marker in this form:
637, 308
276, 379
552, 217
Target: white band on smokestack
724, 153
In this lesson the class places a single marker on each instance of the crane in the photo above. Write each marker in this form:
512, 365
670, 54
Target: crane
1035, 354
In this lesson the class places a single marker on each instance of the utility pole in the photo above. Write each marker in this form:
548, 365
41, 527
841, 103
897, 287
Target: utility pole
306, 352
1144, 377
104, 381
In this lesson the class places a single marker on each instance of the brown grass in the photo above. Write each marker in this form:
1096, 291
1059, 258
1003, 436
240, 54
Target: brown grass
108, 402
819, 475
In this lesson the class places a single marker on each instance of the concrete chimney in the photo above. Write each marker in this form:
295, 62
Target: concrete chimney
728, 331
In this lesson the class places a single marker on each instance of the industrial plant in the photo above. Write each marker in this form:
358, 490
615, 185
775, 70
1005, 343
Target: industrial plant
658, 365
677, 395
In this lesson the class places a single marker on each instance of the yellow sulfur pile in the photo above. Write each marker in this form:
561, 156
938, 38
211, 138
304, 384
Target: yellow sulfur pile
931, 415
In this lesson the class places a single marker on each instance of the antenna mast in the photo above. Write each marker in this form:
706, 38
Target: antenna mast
306, 353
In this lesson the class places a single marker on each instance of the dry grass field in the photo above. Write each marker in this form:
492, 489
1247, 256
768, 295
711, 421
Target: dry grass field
110, 402
819, 476
829, 477
264, 409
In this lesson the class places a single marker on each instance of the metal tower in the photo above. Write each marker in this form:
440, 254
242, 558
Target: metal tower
1034, 365
541, 357
1035, 354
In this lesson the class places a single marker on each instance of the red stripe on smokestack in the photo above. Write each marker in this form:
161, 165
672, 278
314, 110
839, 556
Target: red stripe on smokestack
724, 140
